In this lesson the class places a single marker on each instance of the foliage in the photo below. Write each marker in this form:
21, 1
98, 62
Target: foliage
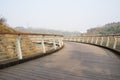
111, 28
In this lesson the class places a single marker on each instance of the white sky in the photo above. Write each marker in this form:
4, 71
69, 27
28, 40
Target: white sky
71, 15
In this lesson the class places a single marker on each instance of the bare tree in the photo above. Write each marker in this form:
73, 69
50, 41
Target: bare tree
2, 20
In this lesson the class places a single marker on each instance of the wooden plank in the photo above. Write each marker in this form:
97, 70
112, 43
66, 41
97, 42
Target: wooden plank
75, 62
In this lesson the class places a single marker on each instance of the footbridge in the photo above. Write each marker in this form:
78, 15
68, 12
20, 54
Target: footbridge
25, 56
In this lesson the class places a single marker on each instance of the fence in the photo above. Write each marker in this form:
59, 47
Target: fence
110, 41
20, 45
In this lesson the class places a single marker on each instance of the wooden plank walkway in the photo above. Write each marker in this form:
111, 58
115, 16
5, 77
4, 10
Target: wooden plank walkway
74, 62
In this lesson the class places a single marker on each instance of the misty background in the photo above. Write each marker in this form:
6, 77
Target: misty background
63, 15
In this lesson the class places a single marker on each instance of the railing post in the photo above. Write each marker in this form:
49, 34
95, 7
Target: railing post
54, 43
92, 40
43, 45
96, 40
82, 39
108, 41
67, 39
115, 43
76, 39
101, 41
87, 39
60, 42
18, 45
70, 39
73, 38
79, 39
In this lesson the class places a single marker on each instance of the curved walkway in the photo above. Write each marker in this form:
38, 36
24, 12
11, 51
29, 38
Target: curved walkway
75, 61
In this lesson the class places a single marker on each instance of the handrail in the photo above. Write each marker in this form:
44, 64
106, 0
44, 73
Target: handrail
99, 35
32, 34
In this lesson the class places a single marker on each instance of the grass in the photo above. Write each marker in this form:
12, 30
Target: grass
8, 43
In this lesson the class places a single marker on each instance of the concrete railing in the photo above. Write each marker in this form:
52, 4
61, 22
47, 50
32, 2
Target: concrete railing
20, 45
110, 41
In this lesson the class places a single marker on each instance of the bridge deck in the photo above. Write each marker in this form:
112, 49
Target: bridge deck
75, 62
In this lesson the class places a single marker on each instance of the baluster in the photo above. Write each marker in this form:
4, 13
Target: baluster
87, 39
67, 39
115, 43
43, 45
73, 38
92, 40
96, 40
54, 43
18, 46
70, 38
108, 41
78, 39
101, 41
60, 42
82, 39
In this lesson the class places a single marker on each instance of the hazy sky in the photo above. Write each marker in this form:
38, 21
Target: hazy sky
71, 15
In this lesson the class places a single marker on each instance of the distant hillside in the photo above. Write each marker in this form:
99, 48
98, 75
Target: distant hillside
111, 28
4, 28
8, 43
46, 31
